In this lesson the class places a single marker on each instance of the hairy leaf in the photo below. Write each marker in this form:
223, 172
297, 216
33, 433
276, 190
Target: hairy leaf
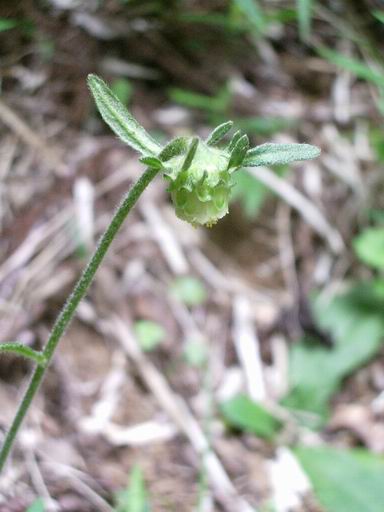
277, 154
120, 120
239, 152
151, 161
191, 153
218, 133
175, 147
236, 136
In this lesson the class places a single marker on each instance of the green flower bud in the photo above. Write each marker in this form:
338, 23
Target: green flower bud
200, 183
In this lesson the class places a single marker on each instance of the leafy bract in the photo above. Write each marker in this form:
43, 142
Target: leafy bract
174, 148
239, 151
277, 154
120, 120
218, 133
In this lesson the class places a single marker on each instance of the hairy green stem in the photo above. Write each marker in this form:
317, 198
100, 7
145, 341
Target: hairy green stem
70, 306
22, 350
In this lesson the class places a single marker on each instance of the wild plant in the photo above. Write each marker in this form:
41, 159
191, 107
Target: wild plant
199, 176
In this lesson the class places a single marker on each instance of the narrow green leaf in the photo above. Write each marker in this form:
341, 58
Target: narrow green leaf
151, 161
134, 497
232, 143
174, 148
8, 24
355, 66
239, 152
304, 14
253, 13
191, 153
379, 15
277, 154
243, 413
120, 120
218, 133
345, 480
24, 351
369, 247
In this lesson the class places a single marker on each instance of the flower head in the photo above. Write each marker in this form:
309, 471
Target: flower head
199, 173
200, 186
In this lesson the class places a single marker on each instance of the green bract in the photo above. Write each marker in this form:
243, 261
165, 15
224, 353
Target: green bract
198, 172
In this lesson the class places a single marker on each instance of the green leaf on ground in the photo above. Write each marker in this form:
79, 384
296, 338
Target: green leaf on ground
369, 247
345, 480
355, 320
355, 66
149, 334
196, 353
243, 413
279, 154
37, 506
134, 497
376, 138
190, 290
8, 24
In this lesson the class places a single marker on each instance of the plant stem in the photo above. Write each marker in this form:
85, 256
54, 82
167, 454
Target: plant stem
71, 304
24, 351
